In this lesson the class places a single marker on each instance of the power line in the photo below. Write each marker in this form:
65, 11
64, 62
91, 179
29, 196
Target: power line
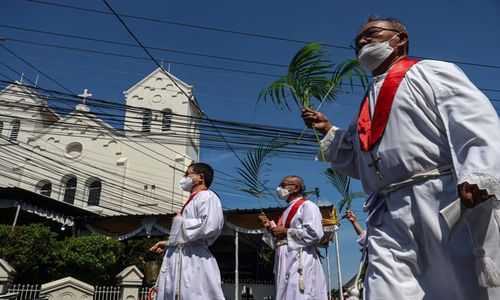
191, 25
240, 32
147, 47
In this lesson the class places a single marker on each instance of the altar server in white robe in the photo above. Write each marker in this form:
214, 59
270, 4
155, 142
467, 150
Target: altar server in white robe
297, 268
438, 141
189, 270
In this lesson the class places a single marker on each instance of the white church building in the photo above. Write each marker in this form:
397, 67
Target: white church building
82, 160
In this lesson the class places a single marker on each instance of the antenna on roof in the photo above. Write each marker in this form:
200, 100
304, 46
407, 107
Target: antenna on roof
36, 80
22, 77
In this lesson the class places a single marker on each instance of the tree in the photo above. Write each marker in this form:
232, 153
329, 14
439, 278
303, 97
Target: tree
30, 251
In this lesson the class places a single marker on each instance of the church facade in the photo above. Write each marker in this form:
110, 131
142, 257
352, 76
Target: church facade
82, 160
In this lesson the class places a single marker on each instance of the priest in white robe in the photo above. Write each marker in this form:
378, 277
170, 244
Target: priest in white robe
297, 268
189, 271
438, 141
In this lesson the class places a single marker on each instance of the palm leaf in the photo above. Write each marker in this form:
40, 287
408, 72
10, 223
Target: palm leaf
251, 170
308, 75
311, 76
342, 184
339, 181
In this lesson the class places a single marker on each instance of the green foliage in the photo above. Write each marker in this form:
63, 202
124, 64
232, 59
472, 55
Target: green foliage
39, 257
29, 249
136, 252
312, 76
251, 170
266, 256
92, 259
342, 184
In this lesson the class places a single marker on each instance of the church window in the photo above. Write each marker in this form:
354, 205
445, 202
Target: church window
74, 149
14, 131
44, 187
166, 120
69, 190
94, 192
146, 120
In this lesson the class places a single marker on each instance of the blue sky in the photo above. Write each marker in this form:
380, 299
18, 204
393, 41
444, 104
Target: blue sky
464, 31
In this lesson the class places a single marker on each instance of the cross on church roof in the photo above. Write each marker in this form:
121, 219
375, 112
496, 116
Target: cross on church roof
85, 95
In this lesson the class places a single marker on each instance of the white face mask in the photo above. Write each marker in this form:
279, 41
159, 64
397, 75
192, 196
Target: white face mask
374, 54
186, 184
282, 193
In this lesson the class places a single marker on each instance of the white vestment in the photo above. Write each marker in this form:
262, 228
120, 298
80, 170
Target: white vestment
190, 235
439, 119
299, 249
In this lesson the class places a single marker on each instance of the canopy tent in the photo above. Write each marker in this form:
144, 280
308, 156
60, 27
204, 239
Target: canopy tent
17, 199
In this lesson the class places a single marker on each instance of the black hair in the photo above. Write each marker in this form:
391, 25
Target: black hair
395, 24
205, 169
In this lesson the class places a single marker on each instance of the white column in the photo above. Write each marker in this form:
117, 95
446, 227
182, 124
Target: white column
337, 255
236, 266
327, 249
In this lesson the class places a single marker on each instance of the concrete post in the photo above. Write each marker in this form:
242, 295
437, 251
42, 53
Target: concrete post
130, 282
67, 288
7, 274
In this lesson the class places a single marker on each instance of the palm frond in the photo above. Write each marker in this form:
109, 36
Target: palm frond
339, 181
357, 195
342, 184
348, 69
251, 169
308, 76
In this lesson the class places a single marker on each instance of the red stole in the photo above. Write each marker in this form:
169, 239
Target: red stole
291, 214
369, 135
190, 198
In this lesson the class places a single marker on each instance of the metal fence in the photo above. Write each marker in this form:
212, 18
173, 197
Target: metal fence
143, 293
32, 291
25, 291
107, 293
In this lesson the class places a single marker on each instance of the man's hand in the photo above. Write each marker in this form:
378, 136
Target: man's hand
316, 120
279, 232
178, 214
471, 195
264, 220
349, 215
159, 247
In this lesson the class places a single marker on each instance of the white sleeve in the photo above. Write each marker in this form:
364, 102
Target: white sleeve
311, 230
207, 223
338, 148
472, 127
362, 239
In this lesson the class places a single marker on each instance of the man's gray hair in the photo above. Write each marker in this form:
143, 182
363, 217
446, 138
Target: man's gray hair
395, 24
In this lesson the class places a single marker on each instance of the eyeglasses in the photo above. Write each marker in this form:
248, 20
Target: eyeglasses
284, 185
190, 173
368, 33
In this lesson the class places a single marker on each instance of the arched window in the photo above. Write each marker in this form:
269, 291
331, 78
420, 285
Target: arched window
166, 120
69, 190
146, 120
14, 130
44, 187
94, 192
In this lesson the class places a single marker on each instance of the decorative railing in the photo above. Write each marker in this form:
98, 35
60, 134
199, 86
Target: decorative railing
25, 291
